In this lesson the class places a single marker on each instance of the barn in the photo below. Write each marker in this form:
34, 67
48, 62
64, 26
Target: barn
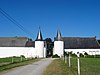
76, 44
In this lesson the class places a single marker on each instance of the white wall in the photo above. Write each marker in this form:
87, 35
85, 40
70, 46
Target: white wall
44, 55
39, 46
17, 51
58, 48
89, 51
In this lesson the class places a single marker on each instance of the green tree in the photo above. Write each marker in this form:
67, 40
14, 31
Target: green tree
49, 45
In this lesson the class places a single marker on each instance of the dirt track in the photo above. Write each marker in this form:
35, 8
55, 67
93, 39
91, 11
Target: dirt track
36, 68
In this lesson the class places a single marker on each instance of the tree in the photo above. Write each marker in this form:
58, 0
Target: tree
49, 45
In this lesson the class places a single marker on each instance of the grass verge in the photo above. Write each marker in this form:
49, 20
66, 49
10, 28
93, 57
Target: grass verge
16, 64
57, 67
89, 66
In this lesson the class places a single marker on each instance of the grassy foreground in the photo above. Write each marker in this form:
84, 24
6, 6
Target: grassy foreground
89, 66
9, 60
16, 63
57, 67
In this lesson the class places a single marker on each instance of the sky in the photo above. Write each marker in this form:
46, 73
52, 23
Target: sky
75, 18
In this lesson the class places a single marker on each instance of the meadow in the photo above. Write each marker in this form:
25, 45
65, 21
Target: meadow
89, 66
12, 62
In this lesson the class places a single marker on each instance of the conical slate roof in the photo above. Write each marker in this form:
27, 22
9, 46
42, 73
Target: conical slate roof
58, 35
39, 36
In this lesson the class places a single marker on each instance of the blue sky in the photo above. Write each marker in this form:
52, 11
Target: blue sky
76, 18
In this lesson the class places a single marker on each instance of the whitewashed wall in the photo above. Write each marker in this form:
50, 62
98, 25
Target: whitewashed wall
17, 51
39, 46
89, 51
58, 48
44, 55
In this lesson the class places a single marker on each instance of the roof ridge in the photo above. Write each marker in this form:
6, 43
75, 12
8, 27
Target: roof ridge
80, 37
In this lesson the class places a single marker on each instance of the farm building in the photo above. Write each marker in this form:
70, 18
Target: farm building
75, 44
16, 46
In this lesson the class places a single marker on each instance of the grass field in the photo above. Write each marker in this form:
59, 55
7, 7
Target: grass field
57, 67
9, 59
89, 66
6, 63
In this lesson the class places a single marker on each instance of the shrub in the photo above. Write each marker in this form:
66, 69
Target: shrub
73, 55
81, 55
90, 56
55, 56
97, 56
22, 56
86, 53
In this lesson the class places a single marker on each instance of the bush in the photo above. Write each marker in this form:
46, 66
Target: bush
81, 55
93, 56
22, 56
73, 55
97, 56
90, 56
86, 53
55, 56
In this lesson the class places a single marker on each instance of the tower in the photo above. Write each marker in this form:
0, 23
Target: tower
39, 45
58, 44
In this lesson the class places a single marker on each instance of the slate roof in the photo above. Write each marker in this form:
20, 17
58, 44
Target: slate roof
13, 41
39, 36
58, 37
80, 43
98, 41
30, 43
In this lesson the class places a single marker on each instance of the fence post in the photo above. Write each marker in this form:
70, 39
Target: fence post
78, 61
69, 60
12, 60
21, 58
65, 59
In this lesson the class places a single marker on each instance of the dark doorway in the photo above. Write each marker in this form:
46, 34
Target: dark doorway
49, 47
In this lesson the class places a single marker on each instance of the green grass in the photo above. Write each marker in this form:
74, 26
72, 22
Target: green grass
9, 59
57, 67
89, 66
17, 62
3, 60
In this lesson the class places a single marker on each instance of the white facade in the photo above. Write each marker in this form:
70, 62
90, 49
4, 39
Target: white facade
39, 50
28, 52
58, 48
44, 54
17, 51
39, 46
